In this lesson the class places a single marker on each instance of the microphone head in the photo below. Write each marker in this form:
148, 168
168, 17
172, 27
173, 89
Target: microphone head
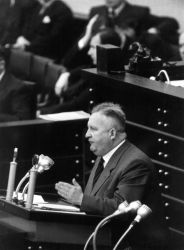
121, 208
35, 159
133, 206
44, 163
143, 212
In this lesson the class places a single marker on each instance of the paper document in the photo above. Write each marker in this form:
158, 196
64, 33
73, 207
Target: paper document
177, 83
64, 116
61, 207
36, 199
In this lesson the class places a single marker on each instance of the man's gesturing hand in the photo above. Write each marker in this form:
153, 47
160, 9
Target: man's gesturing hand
72, 193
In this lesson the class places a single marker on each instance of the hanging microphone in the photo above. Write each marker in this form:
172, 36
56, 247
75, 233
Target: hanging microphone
125, 207
142, 212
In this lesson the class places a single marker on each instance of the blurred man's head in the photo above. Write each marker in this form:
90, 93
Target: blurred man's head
107, 36
114, 3
181, 46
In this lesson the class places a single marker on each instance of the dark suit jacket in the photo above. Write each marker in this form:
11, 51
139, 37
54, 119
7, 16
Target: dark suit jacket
48, 32
137, 18
14, 99
132, 16
129, 175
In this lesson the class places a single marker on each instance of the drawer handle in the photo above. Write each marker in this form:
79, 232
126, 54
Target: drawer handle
166, 173
166, 204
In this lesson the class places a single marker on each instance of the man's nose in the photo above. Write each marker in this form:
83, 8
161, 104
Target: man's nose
87, 134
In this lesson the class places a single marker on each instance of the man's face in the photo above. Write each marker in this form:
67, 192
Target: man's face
114, 3
2, 65
99, 133
181, 46
92, 50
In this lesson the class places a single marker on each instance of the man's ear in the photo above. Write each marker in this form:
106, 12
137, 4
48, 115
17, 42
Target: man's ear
113, 133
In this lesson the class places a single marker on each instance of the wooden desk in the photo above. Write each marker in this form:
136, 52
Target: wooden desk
51, 226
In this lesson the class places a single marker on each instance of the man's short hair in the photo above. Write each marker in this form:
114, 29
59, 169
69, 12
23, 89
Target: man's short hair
112, 110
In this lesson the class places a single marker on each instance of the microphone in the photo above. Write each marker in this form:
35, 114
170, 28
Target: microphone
40, 164
121, 209
44, 163
125, 207
34, 163
142, 212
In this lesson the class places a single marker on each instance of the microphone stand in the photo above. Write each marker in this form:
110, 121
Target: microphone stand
11, 178
19, 186
123, 236
31, 188
24, 191
102, 223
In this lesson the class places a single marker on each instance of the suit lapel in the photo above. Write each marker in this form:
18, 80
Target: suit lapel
108, 169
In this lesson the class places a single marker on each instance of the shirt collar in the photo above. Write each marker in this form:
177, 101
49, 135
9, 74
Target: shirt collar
110, 153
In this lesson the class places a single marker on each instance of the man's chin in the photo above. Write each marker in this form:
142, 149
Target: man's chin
93, 149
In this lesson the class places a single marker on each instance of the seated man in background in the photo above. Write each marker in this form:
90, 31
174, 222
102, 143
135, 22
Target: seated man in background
71, 87
46, 28
121, 172
131, 22
15, 96
10, 19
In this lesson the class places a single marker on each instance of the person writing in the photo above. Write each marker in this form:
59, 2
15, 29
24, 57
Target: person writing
121, 171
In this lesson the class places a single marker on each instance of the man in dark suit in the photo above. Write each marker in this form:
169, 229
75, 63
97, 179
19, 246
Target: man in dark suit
127, 174
46, 28
15, 96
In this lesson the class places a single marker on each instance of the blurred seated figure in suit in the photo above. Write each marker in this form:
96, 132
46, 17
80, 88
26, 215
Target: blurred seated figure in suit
46, 28
71, 86
163, 42
15, 97
10, 19
121, 172
130, 21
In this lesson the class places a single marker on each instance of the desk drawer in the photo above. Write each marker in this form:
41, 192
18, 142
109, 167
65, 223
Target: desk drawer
174, 213
159, 146
171, 181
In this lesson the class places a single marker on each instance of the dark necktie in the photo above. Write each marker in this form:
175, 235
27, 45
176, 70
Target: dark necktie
99, 170
111, 14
